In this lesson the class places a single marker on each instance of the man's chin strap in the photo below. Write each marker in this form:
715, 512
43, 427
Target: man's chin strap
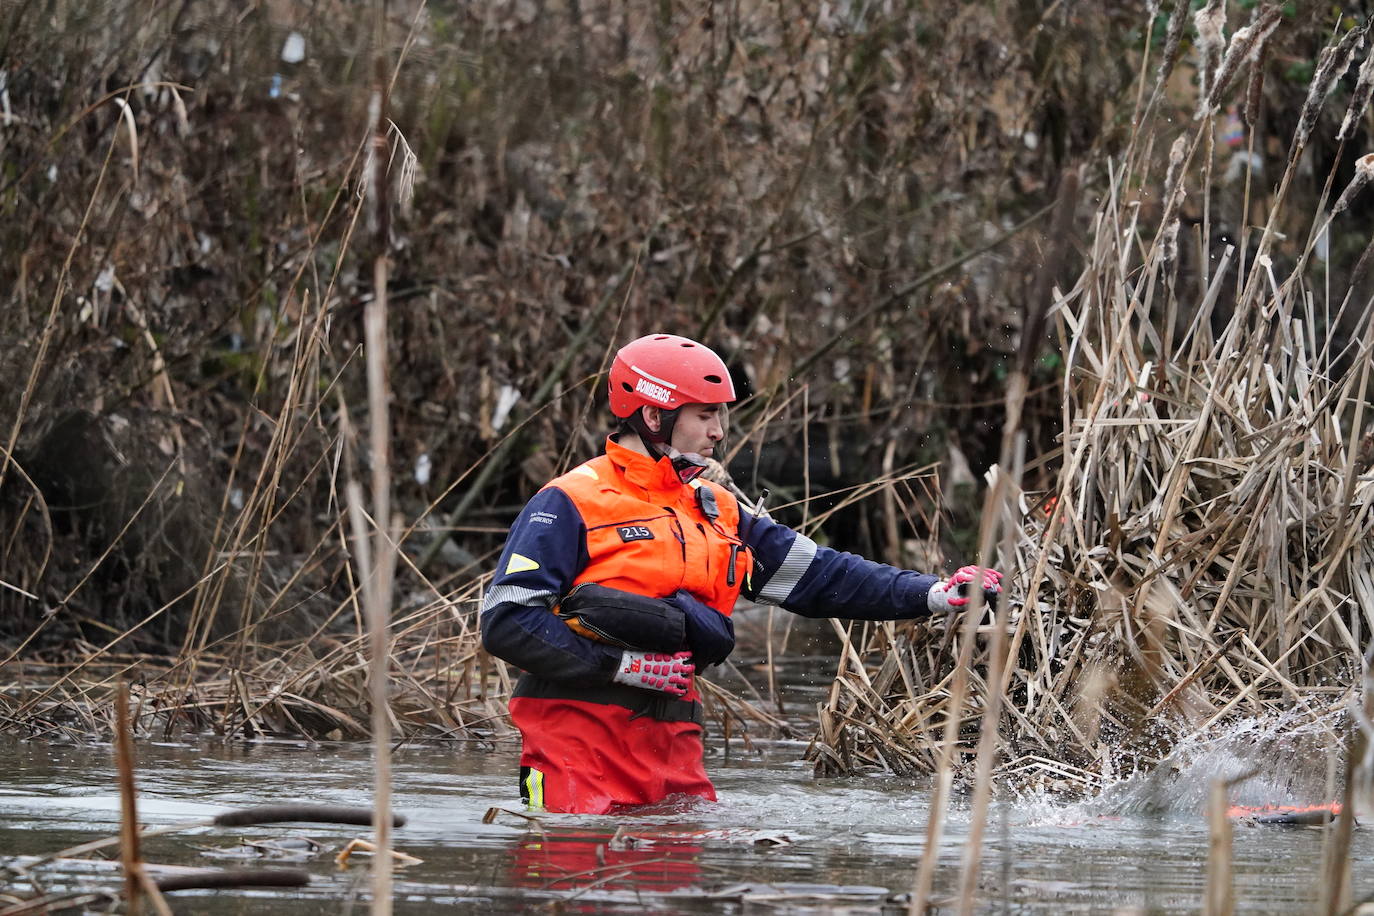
688, 467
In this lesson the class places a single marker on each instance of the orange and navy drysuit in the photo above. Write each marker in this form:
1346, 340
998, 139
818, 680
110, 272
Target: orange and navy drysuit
626, 521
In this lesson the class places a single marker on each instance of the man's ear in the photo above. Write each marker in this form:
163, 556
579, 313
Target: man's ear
653, 418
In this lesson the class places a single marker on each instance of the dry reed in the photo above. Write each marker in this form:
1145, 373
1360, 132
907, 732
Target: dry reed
128, 804
1202, 551
1219, 899
377, 566
499, 268
1205, 551
1210, 492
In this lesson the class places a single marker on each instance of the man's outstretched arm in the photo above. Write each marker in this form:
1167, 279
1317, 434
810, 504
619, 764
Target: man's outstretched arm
791, 570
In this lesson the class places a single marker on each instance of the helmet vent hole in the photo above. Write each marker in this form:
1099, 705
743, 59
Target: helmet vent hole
713, 379
686, 345
626, 386
661, 337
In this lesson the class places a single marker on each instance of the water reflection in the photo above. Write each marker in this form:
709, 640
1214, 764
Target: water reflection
566, 860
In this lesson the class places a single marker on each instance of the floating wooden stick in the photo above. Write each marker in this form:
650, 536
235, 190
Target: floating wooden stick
233, 877
356, 845
311, 814
244, 817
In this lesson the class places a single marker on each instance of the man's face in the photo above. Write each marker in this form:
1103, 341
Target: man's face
699, 427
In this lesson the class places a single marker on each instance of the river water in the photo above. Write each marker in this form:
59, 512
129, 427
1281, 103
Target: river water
778, 840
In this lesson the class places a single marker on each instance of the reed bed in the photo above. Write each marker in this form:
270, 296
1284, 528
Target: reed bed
441, 687
187, 267
1191, 545
1204, 552
189, 258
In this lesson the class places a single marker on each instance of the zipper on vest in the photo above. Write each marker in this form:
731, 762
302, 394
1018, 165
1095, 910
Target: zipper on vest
681, 538
730, 571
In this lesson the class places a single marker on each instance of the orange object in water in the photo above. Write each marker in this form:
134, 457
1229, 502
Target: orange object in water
1285, 815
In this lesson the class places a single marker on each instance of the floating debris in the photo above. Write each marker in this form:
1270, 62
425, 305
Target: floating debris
296, 848
401, 859
1284, 815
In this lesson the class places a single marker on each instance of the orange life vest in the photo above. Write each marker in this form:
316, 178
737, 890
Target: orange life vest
649, 534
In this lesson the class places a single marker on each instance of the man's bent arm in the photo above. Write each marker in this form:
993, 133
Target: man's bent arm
545, 551
794, 572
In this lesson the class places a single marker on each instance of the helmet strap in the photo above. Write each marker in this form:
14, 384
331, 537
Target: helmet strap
653, 441
688, 467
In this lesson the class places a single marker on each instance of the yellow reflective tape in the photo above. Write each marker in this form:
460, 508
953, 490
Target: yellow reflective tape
520, 563
534, 788
584, 469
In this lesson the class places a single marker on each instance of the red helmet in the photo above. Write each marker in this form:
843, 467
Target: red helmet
664, 370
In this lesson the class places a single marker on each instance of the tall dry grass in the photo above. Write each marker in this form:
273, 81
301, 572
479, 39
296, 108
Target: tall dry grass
1204, 552
185, 253
1212, 490
858, 196
834, 202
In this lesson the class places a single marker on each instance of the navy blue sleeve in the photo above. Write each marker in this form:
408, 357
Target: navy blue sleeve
710, 634
791, 570
546, 549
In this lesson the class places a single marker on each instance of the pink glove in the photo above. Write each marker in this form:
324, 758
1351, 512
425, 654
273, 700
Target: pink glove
670, 674
953, 592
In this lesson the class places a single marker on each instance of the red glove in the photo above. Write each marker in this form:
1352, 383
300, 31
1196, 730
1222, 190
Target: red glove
953, 592
670, 674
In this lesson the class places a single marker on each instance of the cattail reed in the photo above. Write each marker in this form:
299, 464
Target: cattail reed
1242, 48
1168, 244
1359, 99
1254, 88
1151, 556
1174, 190
1210, 21
1364, 170
1173, 40
1331, 65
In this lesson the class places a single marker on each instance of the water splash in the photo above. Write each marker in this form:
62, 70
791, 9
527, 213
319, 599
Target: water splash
1284, 758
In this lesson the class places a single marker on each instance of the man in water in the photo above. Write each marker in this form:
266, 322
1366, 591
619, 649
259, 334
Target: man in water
617, 583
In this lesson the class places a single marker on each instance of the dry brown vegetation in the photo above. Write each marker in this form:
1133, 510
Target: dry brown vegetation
186, 258
1204, 549
852, 203
1203, 552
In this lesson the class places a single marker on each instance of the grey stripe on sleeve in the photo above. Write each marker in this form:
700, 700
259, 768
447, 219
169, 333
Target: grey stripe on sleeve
789, 573
514, 593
